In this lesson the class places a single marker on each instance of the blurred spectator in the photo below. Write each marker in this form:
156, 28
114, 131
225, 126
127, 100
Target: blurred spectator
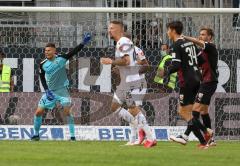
165, 85
153, 35
6, 79
203, 2
236, 17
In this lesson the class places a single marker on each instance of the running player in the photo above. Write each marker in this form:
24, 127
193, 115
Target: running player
141, 62
131, 81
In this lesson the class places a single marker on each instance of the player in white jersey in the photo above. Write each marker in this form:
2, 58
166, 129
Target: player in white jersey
131, 81
142, 66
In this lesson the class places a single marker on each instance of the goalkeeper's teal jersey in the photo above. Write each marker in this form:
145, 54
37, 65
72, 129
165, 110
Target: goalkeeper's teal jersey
55, 73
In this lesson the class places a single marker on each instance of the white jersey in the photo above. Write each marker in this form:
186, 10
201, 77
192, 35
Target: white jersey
124, 47
139, 53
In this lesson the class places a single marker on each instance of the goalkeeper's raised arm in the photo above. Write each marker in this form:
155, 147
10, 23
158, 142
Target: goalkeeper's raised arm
54, 79
86, 39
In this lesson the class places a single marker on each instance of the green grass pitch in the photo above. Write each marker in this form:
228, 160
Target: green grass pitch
96, 153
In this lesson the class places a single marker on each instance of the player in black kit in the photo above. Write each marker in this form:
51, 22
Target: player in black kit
185, 62
209, 82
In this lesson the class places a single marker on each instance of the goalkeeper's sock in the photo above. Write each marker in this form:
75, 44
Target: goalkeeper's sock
37, 124
123, 113
144, 125
70, 121
206, 120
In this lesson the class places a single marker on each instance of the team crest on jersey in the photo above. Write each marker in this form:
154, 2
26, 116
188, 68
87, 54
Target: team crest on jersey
120, 48
125, 47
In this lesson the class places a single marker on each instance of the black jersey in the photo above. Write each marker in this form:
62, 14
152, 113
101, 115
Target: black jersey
186, 53
209, 68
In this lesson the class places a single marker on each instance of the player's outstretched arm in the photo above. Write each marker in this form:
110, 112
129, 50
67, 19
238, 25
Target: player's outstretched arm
194, 40
86, 39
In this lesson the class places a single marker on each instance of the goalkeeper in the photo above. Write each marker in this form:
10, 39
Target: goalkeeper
55, 83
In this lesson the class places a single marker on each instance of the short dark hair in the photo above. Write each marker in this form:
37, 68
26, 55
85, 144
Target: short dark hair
177, 26
209, 31
117, 22
165, 45
50, 45
2, 54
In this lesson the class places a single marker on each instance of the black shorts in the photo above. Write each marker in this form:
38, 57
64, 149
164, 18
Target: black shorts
187, 94
205, 92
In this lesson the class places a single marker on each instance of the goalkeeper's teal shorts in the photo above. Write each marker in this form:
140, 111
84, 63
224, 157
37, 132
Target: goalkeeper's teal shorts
61, 96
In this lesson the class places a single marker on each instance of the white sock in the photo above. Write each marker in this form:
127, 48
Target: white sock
132, 137
123, 113
139, 127
142, 122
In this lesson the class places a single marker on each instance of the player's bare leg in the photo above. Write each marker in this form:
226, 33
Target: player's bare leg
37, 123
134, 110
186, 112
70, 121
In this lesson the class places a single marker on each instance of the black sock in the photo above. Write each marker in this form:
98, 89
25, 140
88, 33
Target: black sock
196, 131
197, 122
206, 120
189, 128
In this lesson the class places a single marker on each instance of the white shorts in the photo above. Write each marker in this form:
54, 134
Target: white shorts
132, 97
